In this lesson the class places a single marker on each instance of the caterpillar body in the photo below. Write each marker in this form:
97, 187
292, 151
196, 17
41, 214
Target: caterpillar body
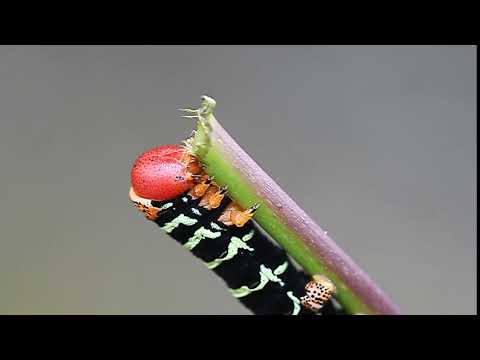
170, 187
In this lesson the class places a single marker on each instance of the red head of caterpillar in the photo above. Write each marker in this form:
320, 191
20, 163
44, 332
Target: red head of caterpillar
166, 172
163, 173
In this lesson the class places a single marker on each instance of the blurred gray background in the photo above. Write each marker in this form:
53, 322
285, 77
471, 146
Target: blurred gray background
376, 143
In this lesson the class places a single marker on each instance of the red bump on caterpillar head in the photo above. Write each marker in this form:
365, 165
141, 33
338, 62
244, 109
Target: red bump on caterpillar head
159, 174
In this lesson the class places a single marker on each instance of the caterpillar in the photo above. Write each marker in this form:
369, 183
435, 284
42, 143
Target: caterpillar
171, 188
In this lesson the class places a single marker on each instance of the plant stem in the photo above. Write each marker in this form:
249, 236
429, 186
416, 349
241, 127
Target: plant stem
281, 217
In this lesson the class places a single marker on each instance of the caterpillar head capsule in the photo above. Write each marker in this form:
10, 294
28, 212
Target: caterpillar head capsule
162, 173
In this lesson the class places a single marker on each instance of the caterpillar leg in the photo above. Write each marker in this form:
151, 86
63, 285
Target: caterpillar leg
234, 214
201, 188
213, 197
145, 206
192, 166
318, 292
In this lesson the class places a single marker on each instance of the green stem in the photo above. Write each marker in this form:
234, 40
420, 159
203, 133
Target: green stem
280, 217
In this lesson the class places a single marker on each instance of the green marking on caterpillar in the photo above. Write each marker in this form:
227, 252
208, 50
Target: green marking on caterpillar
196, 212
296, 303
266, 275
248, 236
198, 236
180, 219
233, 247
166, 206
216, 227
281, 269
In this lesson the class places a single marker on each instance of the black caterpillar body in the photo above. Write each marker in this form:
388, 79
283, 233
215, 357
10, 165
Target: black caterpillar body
257, 263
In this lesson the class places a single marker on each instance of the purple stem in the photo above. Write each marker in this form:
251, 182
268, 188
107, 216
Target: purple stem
312, 234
